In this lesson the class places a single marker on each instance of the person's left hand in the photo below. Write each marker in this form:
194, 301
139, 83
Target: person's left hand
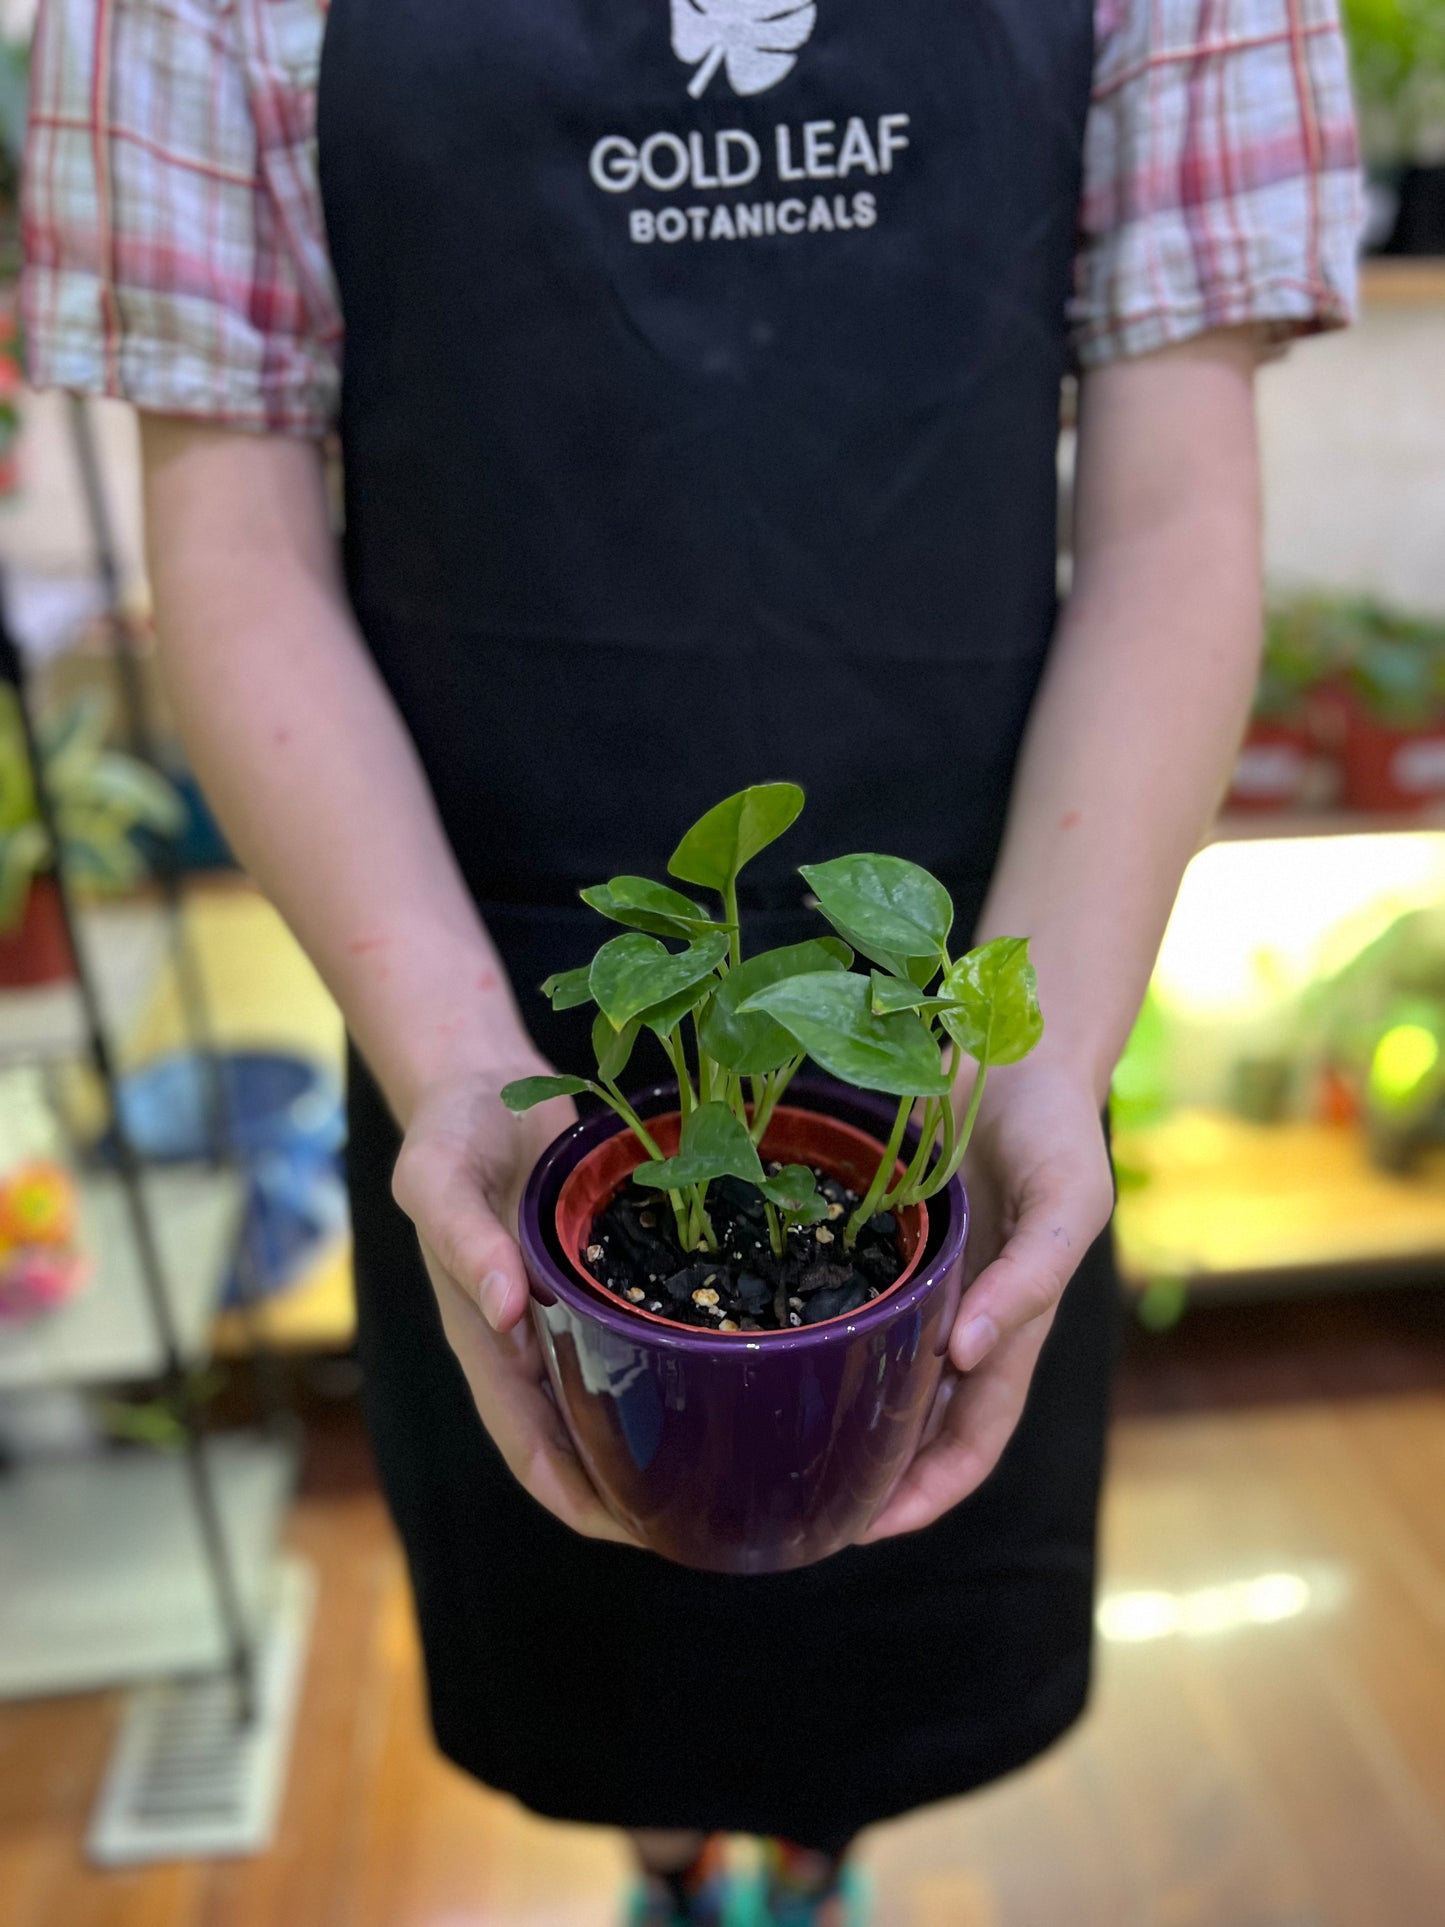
1041, 1190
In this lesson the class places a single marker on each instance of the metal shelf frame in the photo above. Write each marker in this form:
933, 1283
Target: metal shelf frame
172, 1348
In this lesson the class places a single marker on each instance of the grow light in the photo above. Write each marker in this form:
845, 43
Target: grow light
1404, 1058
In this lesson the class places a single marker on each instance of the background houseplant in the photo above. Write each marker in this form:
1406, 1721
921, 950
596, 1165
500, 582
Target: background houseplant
1398, 55
101, 799
716, 1439
1393, 753
1273, 765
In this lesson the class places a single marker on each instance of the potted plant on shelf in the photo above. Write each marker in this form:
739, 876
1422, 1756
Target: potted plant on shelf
744, 1302
1273, 767
101, 799
1398, 56
1393, 753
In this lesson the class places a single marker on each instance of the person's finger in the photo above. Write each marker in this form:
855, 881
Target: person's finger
978, 1421
505, 1376
1026, 1280
464, 1234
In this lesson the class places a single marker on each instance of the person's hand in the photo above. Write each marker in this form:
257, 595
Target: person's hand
1041, 1190
463, 1166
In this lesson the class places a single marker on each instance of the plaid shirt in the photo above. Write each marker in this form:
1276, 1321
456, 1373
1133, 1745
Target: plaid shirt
176, 253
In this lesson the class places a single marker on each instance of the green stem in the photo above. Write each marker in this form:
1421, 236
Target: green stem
687, 1101
705, 1092
775, 1228
773, 1090
610, 1095
700, 1224
948, 1170
614, 1099
881, 1176
901, 1192
730, 911
679, 1212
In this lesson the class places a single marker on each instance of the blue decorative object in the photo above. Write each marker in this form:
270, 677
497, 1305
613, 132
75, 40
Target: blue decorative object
282, 1116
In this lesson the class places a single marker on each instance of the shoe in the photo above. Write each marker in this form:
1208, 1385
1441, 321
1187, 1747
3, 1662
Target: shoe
848, 1905
722, 1898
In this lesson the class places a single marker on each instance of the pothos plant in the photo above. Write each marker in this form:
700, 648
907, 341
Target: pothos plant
738, 1028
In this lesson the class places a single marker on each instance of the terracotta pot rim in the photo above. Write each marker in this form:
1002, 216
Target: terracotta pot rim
918, 1211
552, 1280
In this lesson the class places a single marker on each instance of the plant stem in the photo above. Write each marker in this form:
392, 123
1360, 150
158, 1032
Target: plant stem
913, 1176
686, 1097
881, 1176
700, 1229
704, 1078
610, 1095
679, 1212
773, 1089
948, 1169
614, 1099
775, 1229
730, 911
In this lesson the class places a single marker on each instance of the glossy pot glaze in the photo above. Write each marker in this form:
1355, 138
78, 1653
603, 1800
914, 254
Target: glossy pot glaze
732, 1452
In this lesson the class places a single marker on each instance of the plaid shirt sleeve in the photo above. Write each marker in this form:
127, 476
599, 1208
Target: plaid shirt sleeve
1221, 174
176, 254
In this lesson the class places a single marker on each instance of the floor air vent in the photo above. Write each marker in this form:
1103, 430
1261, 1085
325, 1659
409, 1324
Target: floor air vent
186, 1781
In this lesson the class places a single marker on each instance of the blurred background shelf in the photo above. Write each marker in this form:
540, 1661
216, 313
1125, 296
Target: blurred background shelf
1234, 1208
126, 948
263, 994
1403, 281
1240, 826
105, 1582
107, 1334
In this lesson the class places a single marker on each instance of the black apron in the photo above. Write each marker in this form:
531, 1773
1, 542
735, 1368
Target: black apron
699, 418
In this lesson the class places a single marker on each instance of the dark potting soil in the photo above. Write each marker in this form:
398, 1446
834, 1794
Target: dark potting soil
742, 1286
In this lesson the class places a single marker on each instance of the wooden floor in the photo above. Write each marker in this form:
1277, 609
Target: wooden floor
1267, 1746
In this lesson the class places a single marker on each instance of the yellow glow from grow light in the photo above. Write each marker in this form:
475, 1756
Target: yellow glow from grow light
1257, 921
1404, 1058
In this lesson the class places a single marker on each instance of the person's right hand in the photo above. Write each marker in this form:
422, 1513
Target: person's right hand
464, 1163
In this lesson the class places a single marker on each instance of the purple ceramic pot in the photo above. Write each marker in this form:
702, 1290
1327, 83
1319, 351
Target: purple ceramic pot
738, 1454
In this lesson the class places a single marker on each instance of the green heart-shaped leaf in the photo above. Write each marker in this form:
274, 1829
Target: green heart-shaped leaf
568, 989
752, 1045
663, 1019
733, 832
644, 905
900, 993
994, 1013
794, 1190
831, 1017
528, 1091
884, 903
632, 974
613, 1046
713, 1144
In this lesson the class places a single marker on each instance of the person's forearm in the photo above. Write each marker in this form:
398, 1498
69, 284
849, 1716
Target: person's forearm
1132, 736
305, 760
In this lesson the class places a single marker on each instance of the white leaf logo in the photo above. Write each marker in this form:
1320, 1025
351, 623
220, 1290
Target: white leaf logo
758, 40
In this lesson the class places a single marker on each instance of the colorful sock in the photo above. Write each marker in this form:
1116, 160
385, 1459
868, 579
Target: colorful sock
691, 1896
803, 1885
